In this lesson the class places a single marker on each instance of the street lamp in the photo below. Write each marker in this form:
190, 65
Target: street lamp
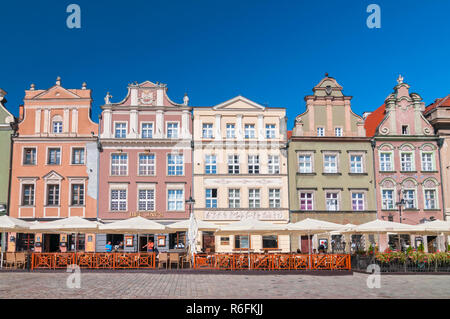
190, 201
401, 203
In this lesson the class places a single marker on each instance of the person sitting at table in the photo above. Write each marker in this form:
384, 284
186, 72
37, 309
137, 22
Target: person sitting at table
108, 247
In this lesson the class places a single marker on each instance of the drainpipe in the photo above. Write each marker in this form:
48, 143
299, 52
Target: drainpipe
289, 185
99, 148
440, 142
373, 144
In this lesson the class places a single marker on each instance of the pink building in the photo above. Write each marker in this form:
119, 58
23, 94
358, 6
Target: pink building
145, 161
407, 163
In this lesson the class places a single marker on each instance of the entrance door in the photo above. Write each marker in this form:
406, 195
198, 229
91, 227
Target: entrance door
51, 243
304, 244
209, 242
432, 244
143, 240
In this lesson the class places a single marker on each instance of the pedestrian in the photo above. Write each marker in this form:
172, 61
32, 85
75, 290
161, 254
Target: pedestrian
149, 246
108, 247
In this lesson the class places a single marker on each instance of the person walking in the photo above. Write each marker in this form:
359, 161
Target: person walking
149, 245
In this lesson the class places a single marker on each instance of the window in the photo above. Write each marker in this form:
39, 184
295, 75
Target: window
224, 240
52, 195
233, 164
77, 194
253, 164
357, 201
211, 198
210, 164
385, 162
249, 131
172, 130
146, 200
356, 164
28, 195
338, 131
234, 199
207, 131
387, 197
175, 164
78, 156
269, 242
57, 127
320, 131
119, 164
270, 130
29, 156
306, 201
175, 199
147, 130
120, 130
54, 156
409, 195
147, 164
332, 201
253, 198
430, 199
241, 242
274, 198
274, 164
231, 131
405, 130
118, 200
305, 164
330, 164
427, 161
406, 162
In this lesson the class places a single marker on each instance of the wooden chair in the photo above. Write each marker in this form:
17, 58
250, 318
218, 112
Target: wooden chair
184, 259
20, 260
163, 258
174, 258
10, 260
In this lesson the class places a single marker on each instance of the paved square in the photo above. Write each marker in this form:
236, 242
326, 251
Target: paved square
189, 285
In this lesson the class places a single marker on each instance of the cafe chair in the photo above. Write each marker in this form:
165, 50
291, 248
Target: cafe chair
10, 260
20, 260
174, 258
163, 258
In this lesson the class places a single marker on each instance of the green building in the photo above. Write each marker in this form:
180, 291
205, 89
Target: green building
6, 130
331, 175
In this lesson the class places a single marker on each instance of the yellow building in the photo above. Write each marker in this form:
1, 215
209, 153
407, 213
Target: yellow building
240, 172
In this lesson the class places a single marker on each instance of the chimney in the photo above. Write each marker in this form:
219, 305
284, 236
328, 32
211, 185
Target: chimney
20, 112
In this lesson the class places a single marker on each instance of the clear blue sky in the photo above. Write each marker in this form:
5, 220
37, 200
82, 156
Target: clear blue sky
270, 51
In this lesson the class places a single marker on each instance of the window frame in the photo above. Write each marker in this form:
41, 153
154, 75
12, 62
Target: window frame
121, 129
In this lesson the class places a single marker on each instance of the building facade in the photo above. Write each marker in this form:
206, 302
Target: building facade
438, 114
146, 162
240, 172
331, 174
54, 166
407, 164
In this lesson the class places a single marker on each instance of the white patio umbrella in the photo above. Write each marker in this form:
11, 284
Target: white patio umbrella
201, 225
192, 235
73, 224
436, 227
11, 224
311, 226
135, 225
251, 226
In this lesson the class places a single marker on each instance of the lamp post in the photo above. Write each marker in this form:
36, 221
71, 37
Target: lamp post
400, 204
190, 201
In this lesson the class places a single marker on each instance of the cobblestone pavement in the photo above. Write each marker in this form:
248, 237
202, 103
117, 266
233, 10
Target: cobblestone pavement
188, 285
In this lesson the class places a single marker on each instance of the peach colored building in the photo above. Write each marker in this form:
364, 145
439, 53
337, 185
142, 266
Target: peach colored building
54, 166
146, 165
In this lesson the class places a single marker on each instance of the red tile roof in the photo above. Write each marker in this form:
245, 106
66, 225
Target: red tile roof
289, 134
373, 120
445, 101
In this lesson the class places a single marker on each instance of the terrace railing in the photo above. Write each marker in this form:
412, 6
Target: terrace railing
272, 261
93, 260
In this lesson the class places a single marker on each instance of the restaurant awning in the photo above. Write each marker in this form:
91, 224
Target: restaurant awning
73, 224
11, 224
251, 226
311, 226
381, 226
135, 225
201, 225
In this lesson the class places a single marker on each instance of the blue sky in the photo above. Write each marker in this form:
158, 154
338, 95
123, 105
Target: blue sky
270, 51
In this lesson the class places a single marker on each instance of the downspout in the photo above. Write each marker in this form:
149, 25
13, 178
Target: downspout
440, 142
373, 143
99, 148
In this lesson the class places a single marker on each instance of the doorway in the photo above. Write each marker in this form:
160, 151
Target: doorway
80, 238
209, 242
51, 243
432, 244
306, 244
143, 240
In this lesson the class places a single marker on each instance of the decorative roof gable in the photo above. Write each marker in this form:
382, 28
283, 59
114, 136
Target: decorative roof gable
239, 103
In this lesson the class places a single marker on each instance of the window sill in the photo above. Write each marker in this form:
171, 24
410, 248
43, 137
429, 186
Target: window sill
77, 164
406, 172
27, 206
25, 164
429, 171
432, 209
77, 206
336, 174
410, 209
52, 206
389, 210
306, 174
358, 174
387, 172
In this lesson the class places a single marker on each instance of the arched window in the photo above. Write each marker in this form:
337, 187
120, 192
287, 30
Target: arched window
57, 124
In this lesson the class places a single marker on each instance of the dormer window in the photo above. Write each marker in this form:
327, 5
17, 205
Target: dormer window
405, 130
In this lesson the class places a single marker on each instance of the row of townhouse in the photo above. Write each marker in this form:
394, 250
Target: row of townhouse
162, 160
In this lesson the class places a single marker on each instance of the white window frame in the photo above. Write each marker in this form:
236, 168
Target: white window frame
207, 130
213, 201
48, 155
414, 190
391, 161
320, 131
172, 129
175, 165
60, 126
210, 164
363, 199
231, 131
254, 198
119, 189
432, 161
121, 129
340, 130
306, 192
249, 128
362, 169
273, 164
274, 198
148, 202
47, 190
253, 161
412, 161
35, 155
328, 206
152, 130
176, 200
383, 200
233, 164
72, 153
304, 166
119, 165
327, 169
233, 200
147, 166
271, 131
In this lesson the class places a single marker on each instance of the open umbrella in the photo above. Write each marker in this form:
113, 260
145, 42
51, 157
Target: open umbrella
251, 226
135, 225
437, 227
192, 235
11, 224
184, 225
73, 224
